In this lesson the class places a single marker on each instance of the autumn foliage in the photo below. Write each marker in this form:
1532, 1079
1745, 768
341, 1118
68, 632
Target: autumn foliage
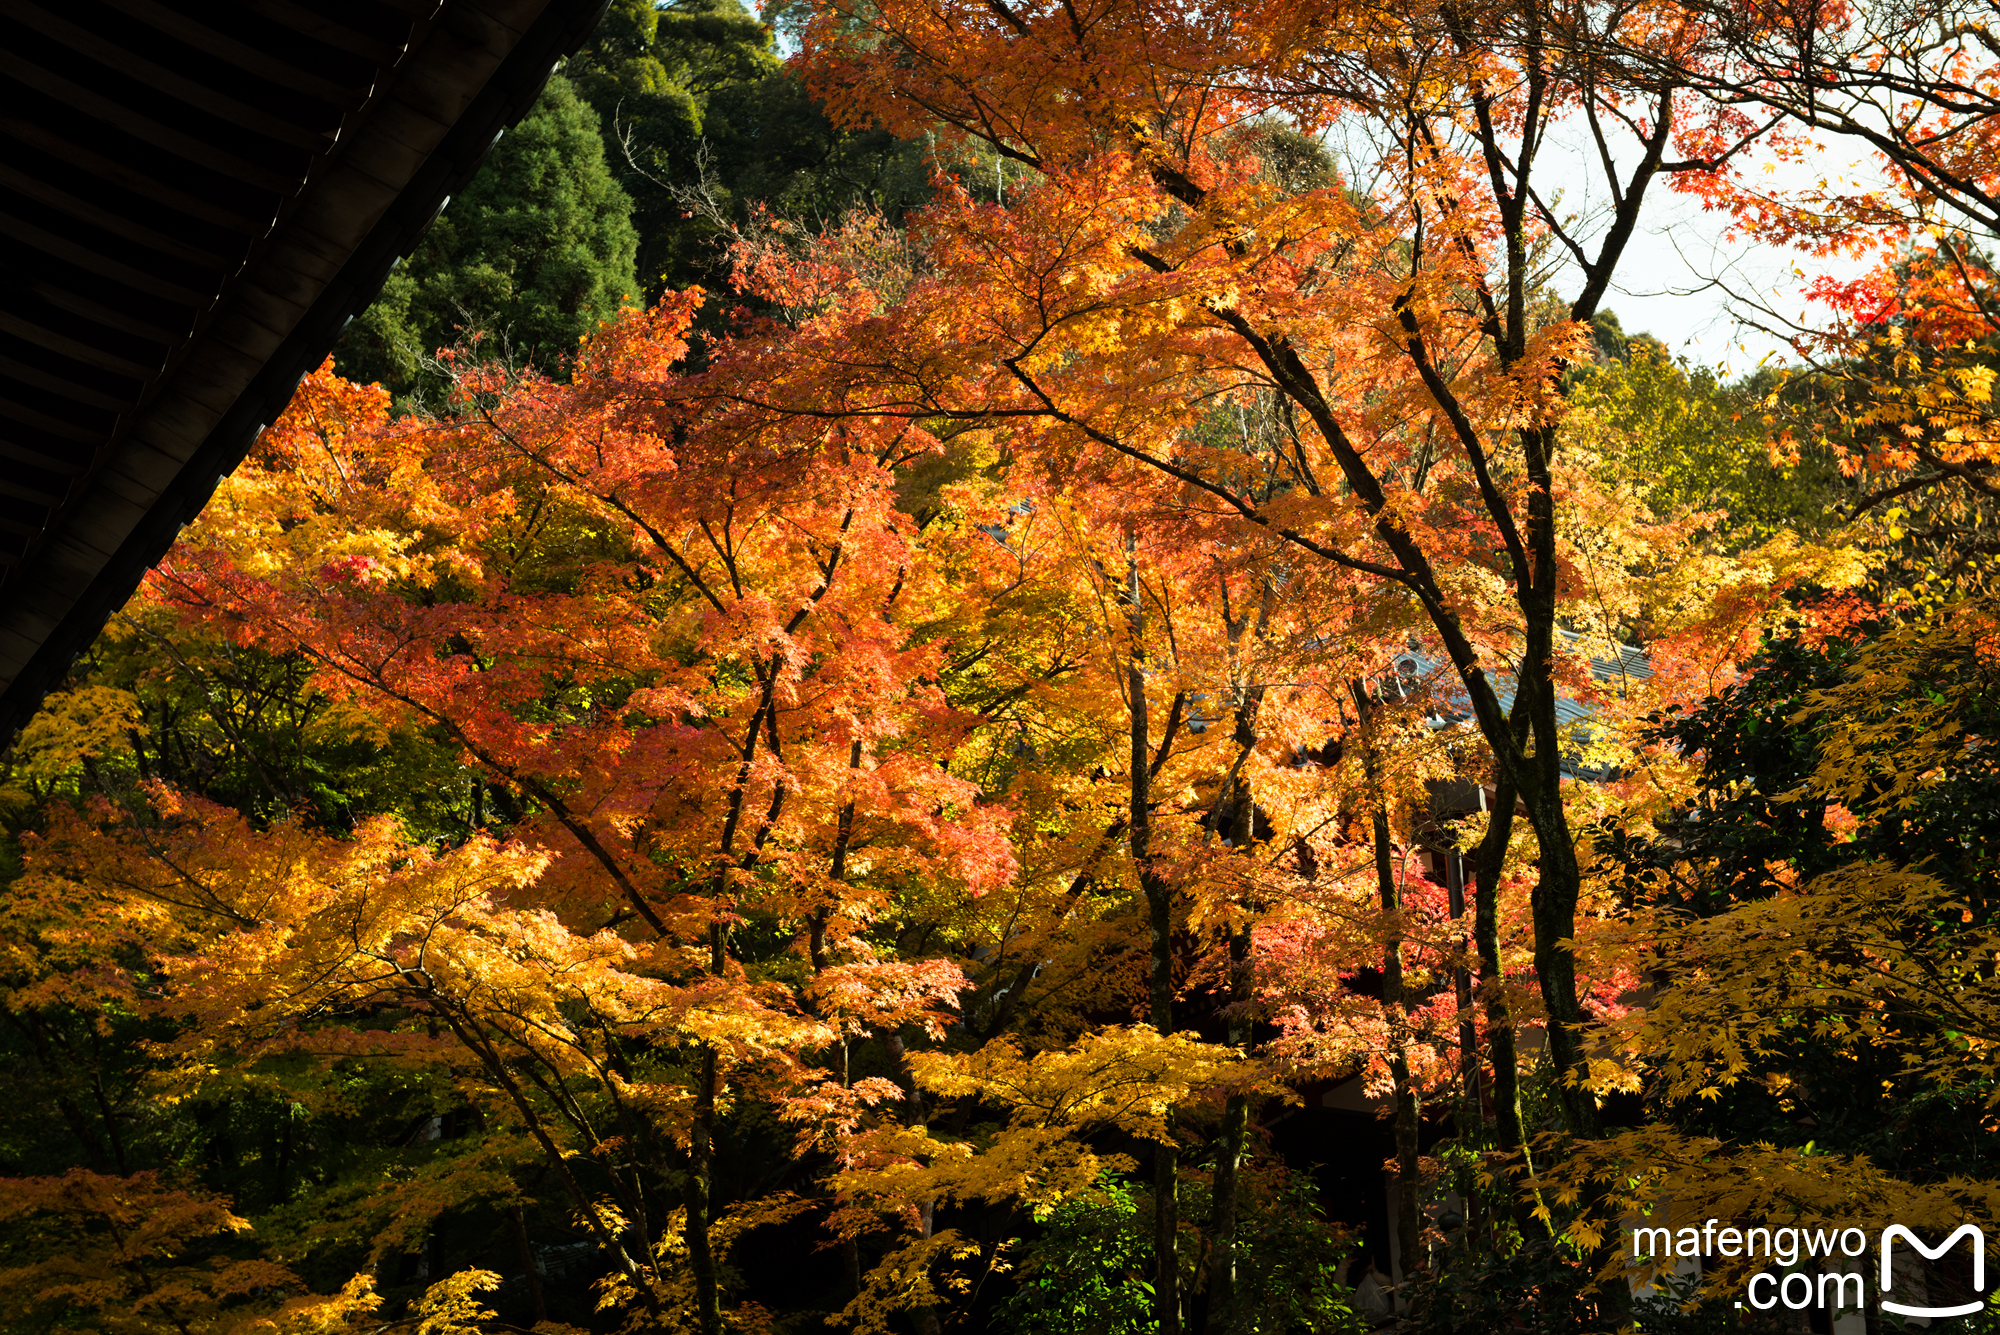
963, 743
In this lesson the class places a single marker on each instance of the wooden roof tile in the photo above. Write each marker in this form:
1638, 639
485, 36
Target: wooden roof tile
207, 190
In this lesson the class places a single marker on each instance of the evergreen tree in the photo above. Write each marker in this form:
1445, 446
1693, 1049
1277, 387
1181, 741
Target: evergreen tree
531, 257
693, 96
1693, 440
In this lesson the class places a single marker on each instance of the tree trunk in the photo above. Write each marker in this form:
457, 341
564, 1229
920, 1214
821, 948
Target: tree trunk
1159, 911
1229, 1150
926, 1317
1409, 1226
527, 1250
1409, 1171
1236, 1110
1461, 990
1554, 906
1471, 1117
1489, 862
1535, 757
700, 1181
850, 1266
916, 1113
816, 925
1558, 886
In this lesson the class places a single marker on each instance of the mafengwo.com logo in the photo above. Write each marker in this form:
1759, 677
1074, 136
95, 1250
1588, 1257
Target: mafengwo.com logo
1796, 1283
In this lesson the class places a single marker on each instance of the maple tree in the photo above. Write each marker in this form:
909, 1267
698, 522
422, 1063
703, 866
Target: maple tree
1694, 607
1157, 263
1817, 920
930, 761
1832, 852
1897, 374
1160, 258
534, 252
461, 578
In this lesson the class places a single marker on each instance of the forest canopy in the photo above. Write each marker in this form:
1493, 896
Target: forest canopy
1053, 668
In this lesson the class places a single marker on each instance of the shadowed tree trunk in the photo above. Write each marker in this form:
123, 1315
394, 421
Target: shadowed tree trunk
1409, 1223
1229, 1149
534, 1278
1488, 864
1159, 912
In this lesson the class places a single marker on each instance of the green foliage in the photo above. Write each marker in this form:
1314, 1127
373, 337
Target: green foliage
1746, 821
1087, 1272
1678, 1308
1294, 162
535, 253
1289, 1260
701, 119
1613, 344
1692, 441
1542, 1284
1831, 759
235, 724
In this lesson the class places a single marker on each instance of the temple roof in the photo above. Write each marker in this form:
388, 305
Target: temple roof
197, 195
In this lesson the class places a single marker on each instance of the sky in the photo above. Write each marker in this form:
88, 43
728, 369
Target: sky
1687, 281
1688, 277
1689, 284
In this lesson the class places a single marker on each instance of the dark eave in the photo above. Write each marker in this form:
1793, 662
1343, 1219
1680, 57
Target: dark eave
195, 195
